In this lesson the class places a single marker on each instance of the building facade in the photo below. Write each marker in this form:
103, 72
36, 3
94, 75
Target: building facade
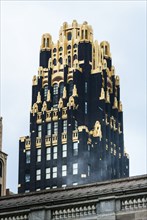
123, 199
3, 164
76, 118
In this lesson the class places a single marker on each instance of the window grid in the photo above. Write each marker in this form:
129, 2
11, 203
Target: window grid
28, 153
55, 127
48, 173
75, 168
64, 170
64, 150
55, 152
48, 128
38, 174
85, 107
48, 153
27, 178
38, 155
55, 89
39, 130
75, 149
54, 172
64, 125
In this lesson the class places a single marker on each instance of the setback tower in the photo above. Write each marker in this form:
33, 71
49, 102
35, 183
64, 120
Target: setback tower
76, 118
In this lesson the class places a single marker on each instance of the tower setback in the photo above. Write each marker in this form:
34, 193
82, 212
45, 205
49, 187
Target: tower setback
76, 118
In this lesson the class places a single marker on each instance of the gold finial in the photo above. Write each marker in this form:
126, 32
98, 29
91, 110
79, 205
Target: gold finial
38, 98
44, 107
35, 108
48, 96
120, 108
107, 97
71, 101
60, 105
64, 93
74, 92
34, 80
117, 80
97, 130
102, 94
115, 105
46, 41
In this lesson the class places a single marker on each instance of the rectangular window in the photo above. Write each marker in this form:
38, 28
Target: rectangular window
38, 174
75, 149
54, 172
48, 153
38, 155
75, 168
27, 178
85, 87
48, 173
76, 125
64, 150
45, 92
55, 127
64, 125
28, 156
48, 128
39, 130
64, 170
85, 107
89, 170
55, 152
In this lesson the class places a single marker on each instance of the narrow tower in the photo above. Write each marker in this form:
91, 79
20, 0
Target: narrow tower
3, 161
76, 118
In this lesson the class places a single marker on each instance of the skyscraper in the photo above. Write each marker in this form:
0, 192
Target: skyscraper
76, 118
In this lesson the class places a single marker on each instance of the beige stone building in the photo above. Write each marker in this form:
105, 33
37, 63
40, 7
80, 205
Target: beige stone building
3, 163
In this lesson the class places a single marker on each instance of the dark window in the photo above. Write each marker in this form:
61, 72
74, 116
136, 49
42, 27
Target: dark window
28, 156
61, 89
45, 92
55, 127
39, 130
54, 62
60, 60
61, 48
75, 149
75, 46
69, 61
54, 50
69, 35
64, 125
68, 47
55, 89
27, 177
86, 34
70, 88
85, 87
75, 57
76, 125
49, 128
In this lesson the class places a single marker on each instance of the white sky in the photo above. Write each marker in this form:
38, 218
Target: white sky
121, 23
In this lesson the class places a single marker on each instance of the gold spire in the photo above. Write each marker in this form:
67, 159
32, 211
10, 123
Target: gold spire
64, 93
120, 108
48, 96
97, 130
107, 97
74, 92
60, 105
115, 105
38, 98
102, 94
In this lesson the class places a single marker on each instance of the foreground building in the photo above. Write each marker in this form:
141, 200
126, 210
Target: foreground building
3, 163
121, 199
76, 119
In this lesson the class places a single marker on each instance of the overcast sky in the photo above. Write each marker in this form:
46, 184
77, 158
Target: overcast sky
122, 24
